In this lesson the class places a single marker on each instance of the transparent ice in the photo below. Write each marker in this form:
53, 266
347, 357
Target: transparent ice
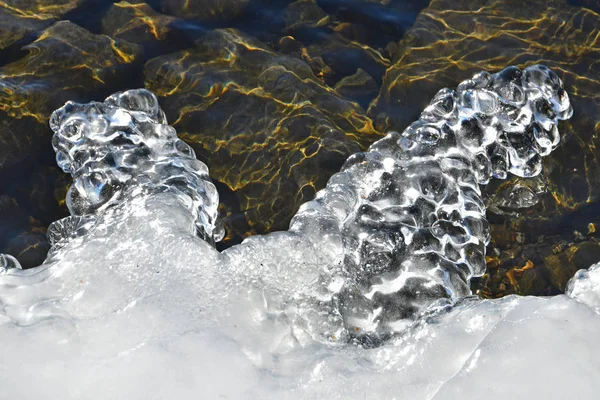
365, 296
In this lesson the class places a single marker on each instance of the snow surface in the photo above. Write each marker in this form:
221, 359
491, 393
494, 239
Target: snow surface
164, 315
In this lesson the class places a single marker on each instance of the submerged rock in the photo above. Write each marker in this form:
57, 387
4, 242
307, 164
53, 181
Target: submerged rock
16, 29
348, 46
359, 87
272, 132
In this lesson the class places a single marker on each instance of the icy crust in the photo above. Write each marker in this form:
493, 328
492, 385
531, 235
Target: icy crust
121, 148
409, 210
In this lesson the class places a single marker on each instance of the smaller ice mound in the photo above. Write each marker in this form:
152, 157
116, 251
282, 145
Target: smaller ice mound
409, 211
121, 148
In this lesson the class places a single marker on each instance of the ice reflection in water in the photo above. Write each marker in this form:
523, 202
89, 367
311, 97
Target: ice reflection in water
133, 289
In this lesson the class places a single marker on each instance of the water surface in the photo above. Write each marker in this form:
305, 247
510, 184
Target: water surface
275, 95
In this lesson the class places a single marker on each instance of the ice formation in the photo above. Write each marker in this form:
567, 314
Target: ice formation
122, 146
409, 211
366, 296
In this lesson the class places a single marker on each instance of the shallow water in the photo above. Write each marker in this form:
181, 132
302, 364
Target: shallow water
274, 96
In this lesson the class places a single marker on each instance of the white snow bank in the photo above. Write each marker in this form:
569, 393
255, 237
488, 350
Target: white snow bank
164, 315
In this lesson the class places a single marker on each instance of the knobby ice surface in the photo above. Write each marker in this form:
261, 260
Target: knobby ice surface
366, 296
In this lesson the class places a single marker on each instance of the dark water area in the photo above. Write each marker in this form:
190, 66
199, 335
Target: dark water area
275, 95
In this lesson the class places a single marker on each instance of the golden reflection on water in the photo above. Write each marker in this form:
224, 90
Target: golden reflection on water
287, 123
128, 21
275, 99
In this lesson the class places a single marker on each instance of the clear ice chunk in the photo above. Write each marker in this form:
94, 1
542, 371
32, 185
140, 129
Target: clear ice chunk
124, 147
415, 230
400, 226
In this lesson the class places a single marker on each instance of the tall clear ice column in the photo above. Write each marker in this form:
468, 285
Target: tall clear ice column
409, 210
